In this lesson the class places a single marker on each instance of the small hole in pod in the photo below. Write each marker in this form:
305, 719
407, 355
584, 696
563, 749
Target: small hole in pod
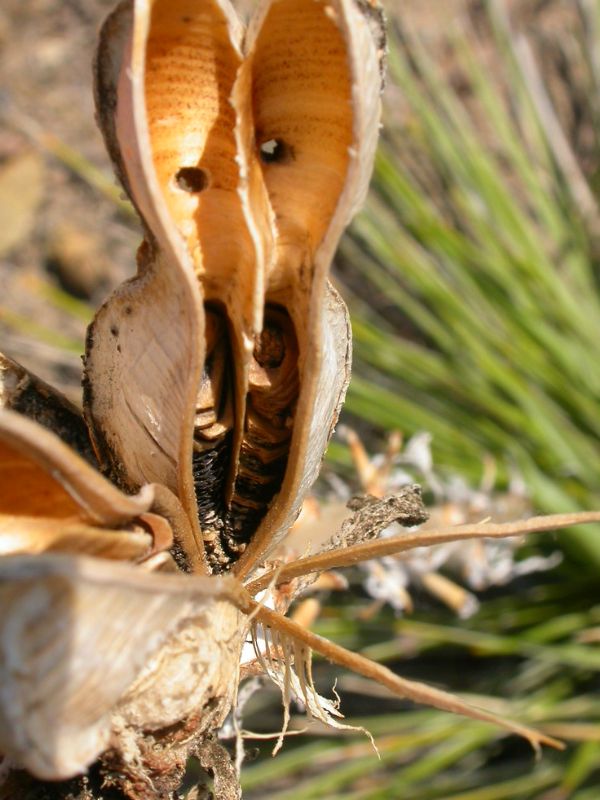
274, 151
191, 180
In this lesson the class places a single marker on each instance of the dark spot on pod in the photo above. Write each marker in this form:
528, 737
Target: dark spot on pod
275, 151
192, 180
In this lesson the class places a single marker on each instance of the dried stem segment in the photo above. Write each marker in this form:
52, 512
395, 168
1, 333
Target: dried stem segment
410, 690
405, 542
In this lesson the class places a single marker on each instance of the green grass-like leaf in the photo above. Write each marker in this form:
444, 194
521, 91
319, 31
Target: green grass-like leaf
476, 242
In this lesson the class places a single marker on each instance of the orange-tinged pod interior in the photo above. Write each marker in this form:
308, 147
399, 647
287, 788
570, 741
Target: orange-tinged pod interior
41, 476
301, 96
316, 82
243, 163
192, 59
28, 489
215, 198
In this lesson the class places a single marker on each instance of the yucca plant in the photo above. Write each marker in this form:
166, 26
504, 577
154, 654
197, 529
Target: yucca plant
477, 341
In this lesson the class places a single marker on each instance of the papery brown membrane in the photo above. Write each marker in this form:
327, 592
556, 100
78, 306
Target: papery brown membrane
315, 75
92, 653
155, 68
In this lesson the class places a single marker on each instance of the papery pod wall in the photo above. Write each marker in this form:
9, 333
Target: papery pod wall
246, 156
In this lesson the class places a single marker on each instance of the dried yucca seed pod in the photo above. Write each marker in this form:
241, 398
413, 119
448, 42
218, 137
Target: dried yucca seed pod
99, 655
245, 176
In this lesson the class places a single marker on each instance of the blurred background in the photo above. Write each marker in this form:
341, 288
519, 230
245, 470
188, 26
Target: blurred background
472, 279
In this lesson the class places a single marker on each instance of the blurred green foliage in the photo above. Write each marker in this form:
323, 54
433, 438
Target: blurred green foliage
527, 647
478, 314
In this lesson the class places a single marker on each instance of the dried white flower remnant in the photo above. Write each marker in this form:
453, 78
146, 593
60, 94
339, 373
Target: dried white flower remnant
478, 564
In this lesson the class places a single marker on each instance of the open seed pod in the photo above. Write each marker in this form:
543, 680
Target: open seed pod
100, 653
220, 369
51, 501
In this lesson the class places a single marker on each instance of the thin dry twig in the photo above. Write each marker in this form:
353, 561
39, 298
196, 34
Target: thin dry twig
410, 690
400, 544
